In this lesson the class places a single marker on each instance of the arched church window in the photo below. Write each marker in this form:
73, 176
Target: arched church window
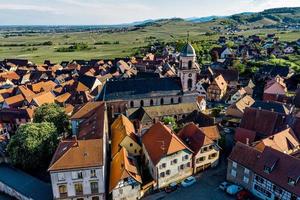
162, 101
151, 102
190, 84
172, 101
142, 103
131, 104
179, 99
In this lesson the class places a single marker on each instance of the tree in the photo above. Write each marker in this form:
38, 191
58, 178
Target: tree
52, 113
170, 121
33, 145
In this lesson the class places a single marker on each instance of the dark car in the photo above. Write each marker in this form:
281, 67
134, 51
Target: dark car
171, 188
244, 195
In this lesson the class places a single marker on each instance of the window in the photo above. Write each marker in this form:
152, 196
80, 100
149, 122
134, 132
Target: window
181, 167
262, 190
163, 165
201, 159
94, 187
93, 173
162, 101
131, 144
121, 191
172, 101
259, 179
204, 149
234, 164
267, 169
173, 161
168, 172
190, 64
233, 172
213, 155
142, 103
277, 189
95, 198
179, 99
210, 147
185, 157
190, 84
63, 192
246, 179
78, 188
77, 175
61, 176
151, 102
246, 171
291, 181
162, 175
188, 164
131, 104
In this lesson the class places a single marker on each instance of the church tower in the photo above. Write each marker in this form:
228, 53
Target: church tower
188, 69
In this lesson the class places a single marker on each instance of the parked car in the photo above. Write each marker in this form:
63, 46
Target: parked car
223, 186
188, 181
171, 188
244, 195
233, 189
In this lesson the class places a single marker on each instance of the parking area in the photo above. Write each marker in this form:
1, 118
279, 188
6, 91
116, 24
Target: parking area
206, 187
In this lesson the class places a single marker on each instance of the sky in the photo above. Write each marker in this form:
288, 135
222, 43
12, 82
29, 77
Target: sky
100, 12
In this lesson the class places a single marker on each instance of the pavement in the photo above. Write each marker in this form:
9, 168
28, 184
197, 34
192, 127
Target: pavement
206, 187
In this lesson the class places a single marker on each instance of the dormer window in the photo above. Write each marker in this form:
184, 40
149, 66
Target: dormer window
267, 169
292, 181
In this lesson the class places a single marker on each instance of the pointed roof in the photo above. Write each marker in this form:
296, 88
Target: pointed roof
123, 166
43, 98
121, 128
220, 81
284, 141
193, 137
160, 142
188, 50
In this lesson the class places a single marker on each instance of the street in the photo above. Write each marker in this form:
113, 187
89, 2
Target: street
205, 188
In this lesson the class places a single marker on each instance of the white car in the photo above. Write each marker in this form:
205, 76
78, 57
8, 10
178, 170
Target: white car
233, 189
188, 181
223, 186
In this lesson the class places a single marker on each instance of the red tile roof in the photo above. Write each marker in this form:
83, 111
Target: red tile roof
241, 135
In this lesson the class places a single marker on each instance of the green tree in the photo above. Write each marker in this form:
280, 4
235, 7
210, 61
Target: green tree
33, 145
52, 113
170, 121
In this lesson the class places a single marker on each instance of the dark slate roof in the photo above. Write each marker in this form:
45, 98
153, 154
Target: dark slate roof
228, 74
140, 88
188, 50
199, 118
88, 81
271, 106
274, 70
25, 184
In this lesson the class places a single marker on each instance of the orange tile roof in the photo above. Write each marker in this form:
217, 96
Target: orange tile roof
72, 154
284, 141
11, 75
121, 128
81, 87
123, 166
43, 85
63, 98
160, 142
211, 132
1, 98
43, 98
14, 99
220, 81
194, 137
87, 110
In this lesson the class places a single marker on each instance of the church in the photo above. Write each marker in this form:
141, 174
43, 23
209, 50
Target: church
156, 91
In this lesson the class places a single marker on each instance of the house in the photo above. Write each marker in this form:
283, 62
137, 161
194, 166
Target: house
167, 157
201, 88
77, 170
231, 76
274, 88
217, 89
123, 136
288, 50
202, 103
285, 141
273, 106
125, 179
221, 52
78, 167
16, 101
198, 118
203, 143
42, 98
19, 185
237, 96
237, 109
239, 166
144, 117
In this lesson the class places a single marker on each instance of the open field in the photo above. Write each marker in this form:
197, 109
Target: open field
127, 41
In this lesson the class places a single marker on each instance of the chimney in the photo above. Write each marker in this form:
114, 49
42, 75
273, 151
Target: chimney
247, 141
